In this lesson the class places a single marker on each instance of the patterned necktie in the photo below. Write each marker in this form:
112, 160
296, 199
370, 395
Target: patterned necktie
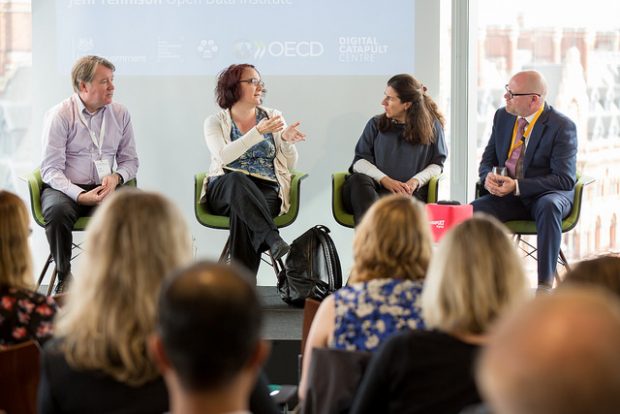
514, 164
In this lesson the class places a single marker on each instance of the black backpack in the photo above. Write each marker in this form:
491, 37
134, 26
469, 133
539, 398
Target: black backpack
311, 269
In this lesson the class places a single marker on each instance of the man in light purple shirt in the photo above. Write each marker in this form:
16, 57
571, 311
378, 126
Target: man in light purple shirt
89, 150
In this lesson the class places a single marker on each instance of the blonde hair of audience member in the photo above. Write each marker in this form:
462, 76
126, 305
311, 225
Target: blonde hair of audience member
393, 240
556, 354
603, 271
133, 241
474, 276
15, 256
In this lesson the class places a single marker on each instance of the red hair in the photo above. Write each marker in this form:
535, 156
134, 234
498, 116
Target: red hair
228, 89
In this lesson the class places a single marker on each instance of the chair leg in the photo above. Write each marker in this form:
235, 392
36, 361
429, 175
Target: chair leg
52, 281
561, 260
44, 271
277, 265
225, 256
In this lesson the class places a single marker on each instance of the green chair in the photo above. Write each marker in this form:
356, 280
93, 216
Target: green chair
223, 222
520, 228
35, 187
344, 218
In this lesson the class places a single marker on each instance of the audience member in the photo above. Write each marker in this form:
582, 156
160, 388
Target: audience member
474, 276
603, 271
391, 253
208, 344
537, 145
24, 314
399, 150
84, 137
252, 152
558, 354
99, 361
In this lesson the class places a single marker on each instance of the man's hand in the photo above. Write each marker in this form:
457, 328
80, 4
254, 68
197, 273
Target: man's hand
395, 186
92, 197
112, 181
499, 185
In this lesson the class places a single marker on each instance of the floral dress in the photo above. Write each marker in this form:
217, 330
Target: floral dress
367, 313
25, 315
257, 161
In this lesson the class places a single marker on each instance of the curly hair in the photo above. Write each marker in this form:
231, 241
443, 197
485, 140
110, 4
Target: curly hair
228, 89
421, 115
15, 257
393, 240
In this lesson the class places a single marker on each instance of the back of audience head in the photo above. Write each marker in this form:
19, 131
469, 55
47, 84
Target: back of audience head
603, 271
393, 240
133, 240
556, 354
475, 275
15, 256
208, 328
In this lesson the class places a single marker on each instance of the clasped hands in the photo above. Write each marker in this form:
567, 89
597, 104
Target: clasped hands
499, 185
398, 187
276, 124
97, 194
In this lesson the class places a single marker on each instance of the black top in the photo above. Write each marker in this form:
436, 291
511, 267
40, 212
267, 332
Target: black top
394, 156
63, 389
419, 372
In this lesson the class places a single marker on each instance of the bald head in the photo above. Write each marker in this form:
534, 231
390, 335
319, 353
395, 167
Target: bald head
532, 81
557, 354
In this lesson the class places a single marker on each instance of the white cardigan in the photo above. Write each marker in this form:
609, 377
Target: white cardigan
217, 130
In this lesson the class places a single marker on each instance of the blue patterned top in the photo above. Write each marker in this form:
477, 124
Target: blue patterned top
368, 313
257, 160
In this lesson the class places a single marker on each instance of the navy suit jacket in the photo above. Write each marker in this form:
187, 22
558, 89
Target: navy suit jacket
550, 157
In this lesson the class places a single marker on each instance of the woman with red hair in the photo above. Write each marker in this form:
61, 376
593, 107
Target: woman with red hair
252, 152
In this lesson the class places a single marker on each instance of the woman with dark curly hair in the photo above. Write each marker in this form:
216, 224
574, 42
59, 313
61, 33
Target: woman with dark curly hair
252, 152
399, 150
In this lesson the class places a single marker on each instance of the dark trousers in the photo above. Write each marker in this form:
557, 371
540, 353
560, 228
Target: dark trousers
60, 213
547, 211
251, 205
360, 191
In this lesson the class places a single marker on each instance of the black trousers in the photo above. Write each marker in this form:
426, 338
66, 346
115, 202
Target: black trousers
360, 191
61, 213
251, 205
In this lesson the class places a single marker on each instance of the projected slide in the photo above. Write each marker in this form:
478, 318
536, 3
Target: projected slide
201, 37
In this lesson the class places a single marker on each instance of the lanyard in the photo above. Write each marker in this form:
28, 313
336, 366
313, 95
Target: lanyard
516, 141
98, 142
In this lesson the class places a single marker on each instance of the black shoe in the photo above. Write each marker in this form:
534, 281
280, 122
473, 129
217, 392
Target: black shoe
63, 284
279, 249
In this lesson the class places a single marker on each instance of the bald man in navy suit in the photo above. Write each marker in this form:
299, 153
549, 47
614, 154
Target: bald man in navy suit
540, 156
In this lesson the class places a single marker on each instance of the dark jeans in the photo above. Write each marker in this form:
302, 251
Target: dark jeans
547, 210
61, 213
251, 205
360, 191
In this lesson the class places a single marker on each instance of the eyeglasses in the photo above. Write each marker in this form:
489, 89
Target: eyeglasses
254, 81
512, 94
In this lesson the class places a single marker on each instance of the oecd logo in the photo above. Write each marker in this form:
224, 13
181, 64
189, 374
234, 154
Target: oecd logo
289, 49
